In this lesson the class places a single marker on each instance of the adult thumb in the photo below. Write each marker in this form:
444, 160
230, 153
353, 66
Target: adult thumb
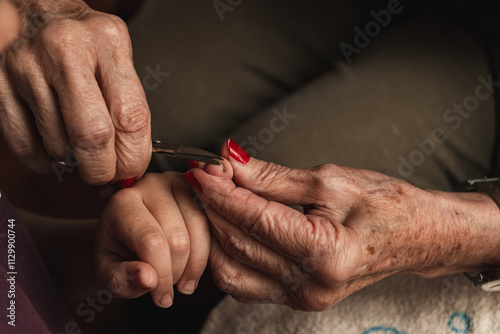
269, 180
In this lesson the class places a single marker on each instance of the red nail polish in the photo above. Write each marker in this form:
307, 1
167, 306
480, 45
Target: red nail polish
192, 181
237, 153
192, 164
122, 184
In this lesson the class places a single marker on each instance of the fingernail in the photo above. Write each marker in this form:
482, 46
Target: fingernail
122, 184
192, 181
189, 287
237, 153
166, 301
192, 164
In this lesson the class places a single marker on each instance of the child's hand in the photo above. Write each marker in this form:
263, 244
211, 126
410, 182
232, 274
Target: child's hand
150, 237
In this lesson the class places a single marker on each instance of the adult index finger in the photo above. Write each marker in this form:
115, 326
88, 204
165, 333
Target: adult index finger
88, 123
283, 229
127, 105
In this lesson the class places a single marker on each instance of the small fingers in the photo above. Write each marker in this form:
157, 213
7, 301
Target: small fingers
141, 233
166, 212
199, 236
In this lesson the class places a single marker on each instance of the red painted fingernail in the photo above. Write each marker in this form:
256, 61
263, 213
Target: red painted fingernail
192, 164
122, 184
237, 153
192, 181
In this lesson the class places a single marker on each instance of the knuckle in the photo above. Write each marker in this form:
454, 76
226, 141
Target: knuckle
113, 27
112, 30
323, 171
225, 280
132, 117
165, 278
22, 67
61, 35
237, 248
24, 151
261, 224
95, 135
32, 156
179, 242
152, 238
55, 148
322, 175
267, 174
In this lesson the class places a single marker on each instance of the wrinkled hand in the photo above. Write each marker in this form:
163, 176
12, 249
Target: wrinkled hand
358, 227
69, 92
150, 237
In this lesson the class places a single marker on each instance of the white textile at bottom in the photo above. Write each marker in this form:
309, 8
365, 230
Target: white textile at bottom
401, 304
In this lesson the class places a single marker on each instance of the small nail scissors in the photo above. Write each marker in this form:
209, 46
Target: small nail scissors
185, 152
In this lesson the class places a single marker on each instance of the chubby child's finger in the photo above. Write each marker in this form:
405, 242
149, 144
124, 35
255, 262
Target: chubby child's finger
140, 232
197, 225
165, 208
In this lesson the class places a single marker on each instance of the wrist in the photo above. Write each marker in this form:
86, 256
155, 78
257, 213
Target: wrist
466, 234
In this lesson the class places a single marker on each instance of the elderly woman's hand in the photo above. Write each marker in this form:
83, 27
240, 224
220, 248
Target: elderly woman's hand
150, 237
358, 227
69, 92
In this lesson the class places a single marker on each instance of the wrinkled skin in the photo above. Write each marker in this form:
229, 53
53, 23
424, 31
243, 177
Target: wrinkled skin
69, 92
358, 227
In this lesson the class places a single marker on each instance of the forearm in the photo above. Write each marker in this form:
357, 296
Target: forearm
463, 233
